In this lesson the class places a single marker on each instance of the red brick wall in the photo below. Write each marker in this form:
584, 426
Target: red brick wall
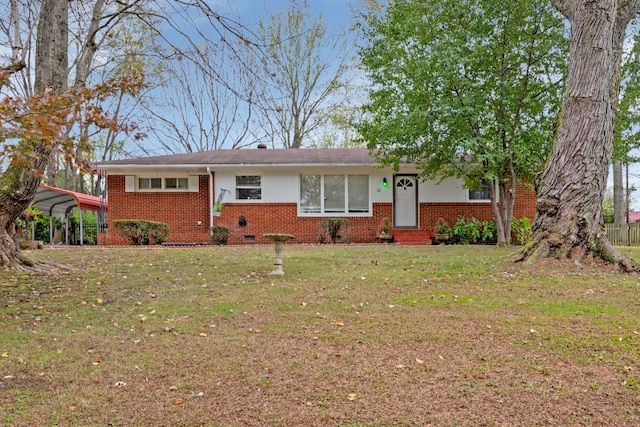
182, 210
283, 218
429, 212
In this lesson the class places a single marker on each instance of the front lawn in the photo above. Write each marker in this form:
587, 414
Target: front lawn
378, 335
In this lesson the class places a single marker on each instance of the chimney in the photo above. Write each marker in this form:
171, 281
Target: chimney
262, 146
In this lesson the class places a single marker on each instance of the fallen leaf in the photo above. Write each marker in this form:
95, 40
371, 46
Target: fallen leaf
178, 401
352, 396
202, 334
420, 361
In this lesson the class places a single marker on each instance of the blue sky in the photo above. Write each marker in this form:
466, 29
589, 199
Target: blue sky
335, 12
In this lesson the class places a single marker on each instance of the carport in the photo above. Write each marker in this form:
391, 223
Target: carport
56, 202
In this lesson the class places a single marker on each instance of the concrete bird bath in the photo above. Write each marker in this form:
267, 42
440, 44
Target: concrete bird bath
279, 240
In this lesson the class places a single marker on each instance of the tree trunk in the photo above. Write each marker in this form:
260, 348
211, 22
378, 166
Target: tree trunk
19, 183
568, 222
619, 205
19, 186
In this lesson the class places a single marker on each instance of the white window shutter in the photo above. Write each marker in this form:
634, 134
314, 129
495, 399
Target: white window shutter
194, 183
129, 183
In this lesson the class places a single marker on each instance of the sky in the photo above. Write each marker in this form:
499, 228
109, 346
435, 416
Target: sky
335, 12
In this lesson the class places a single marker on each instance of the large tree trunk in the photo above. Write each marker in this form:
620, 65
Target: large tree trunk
568, 222
19, 182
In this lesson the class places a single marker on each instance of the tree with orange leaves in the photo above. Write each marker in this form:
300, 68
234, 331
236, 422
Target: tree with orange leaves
33, 128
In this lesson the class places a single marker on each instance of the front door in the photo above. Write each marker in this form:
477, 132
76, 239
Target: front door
405, 204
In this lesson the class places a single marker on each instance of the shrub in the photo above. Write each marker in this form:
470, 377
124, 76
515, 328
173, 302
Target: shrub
330, 228
219, 235
441, 227
137, 229
488, 233
159, 232
385, 226
521, 229
466, 230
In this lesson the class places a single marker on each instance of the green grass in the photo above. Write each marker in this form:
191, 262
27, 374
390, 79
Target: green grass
351, 335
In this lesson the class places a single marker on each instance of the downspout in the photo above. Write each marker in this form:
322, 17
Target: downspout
210, 198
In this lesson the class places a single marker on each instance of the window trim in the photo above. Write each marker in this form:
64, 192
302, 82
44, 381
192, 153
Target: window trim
485, 183
247, 187
344, 213
163, 188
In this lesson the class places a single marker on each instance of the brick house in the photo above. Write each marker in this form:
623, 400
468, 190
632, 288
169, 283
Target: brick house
287, 191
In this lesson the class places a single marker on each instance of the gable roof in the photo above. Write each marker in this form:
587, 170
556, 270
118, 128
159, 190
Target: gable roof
255, 156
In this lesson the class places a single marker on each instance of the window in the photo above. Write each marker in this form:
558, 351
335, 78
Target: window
483, 193
150, 183
334, 186
310, 194
248, 187
176, 183
358, 193
160, 184
334, 194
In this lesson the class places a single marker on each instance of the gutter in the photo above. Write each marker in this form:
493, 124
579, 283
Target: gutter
210, 198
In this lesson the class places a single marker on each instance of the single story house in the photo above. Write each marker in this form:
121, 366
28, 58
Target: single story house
257, 191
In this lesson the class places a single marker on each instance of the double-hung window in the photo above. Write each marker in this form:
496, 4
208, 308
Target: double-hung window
334, 194
248, 187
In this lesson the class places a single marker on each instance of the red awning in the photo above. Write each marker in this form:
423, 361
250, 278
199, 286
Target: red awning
56, 202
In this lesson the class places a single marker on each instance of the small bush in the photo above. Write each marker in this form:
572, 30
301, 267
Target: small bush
521, 229
330, 229
159, 233
385, 226
488, 233
441, 227
137, 229
466, 230
219, 235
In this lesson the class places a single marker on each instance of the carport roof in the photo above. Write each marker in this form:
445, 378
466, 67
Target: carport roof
56, 202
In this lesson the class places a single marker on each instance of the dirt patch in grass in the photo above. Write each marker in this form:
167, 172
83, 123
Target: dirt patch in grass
350, 336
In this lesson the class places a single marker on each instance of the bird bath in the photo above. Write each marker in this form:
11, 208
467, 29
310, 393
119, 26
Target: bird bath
279, 240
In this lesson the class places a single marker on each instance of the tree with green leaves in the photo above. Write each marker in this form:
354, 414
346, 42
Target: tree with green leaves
465, 88
571, 189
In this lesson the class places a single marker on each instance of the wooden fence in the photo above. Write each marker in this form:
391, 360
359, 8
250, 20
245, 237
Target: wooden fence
623, 234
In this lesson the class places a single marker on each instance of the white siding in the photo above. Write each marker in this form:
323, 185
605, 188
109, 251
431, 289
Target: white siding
448, 190
282, 186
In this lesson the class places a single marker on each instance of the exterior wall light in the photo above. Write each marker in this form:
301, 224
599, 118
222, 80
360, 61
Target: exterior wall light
385, 183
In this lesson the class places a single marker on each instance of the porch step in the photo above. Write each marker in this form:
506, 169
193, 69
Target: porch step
403, 236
